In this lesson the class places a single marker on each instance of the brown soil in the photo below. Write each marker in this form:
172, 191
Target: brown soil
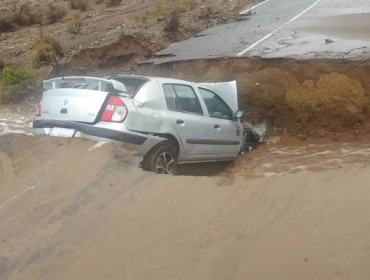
125, 32
309, 99
68, 211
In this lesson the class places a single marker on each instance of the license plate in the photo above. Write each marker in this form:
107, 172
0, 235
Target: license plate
62, 132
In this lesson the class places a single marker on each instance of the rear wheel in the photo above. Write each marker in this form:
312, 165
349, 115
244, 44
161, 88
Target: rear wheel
161, 160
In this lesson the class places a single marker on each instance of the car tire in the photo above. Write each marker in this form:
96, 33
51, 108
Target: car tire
161, 159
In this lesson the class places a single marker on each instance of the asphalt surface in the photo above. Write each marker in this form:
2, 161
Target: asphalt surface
284, 28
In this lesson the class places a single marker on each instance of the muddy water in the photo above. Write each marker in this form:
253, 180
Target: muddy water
277, 156
274, 158
72, 210
295, 156
16, 119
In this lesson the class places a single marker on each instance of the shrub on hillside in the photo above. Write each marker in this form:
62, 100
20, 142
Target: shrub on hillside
46, 51
76, 25
170, 7
81, 5
172, 23
113, 3
2, 65
55, 13
26, 15
7, 23
16, 82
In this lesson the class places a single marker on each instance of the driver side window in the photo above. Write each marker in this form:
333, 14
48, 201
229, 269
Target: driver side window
217, 108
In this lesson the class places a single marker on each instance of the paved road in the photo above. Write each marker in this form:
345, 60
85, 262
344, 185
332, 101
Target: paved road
282, 28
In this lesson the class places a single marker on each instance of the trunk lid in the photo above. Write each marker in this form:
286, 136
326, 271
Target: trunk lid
77, 98
80, 105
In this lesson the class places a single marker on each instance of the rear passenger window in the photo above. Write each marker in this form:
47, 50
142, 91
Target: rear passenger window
182, 98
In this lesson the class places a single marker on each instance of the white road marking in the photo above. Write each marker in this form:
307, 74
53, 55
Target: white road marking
246, 11
277, 29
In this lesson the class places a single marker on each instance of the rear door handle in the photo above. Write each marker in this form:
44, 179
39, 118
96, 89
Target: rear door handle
180, 122
217, 126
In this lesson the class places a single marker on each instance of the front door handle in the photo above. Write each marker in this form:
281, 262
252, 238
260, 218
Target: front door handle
217, 126
180, 122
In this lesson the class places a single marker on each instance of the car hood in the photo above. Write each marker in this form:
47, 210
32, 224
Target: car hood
227, 91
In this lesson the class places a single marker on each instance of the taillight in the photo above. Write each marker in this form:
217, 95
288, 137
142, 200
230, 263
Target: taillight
38, 110
116, 111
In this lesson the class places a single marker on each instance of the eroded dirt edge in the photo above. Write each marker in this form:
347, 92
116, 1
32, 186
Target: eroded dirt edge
308, 98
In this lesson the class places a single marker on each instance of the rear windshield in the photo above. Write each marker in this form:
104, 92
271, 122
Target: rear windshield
133, 84
104, 86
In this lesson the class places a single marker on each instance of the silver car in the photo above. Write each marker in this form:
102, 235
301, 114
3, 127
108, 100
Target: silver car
167, 121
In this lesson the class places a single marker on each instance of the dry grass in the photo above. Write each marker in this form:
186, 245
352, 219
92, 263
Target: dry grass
206, 13
113, 3
133, 21
81, 5
7, 23
46, 51
172, 23
168, 7
76, 25
21, 15
26, 15
55, 13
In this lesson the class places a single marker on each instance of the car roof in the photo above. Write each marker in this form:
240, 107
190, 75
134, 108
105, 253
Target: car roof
226, 90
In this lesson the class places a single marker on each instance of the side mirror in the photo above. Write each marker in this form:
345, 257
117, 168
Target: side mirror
239, 115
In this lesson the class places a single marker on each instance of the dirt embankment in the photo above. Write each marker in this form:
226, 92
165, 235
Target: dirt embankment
309, 99
127, 32
72, 210
126, 51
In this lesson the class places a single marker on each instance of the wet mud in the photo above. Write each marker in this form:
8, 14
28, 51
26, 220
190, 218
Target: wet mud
72, 209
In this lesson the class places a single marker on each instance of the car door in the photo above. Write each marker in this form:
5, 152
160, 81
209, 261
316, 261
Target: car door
226, 132
186, 114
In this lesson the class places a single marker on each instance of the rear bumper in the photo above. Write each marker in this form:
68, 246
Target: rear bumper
120, 135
